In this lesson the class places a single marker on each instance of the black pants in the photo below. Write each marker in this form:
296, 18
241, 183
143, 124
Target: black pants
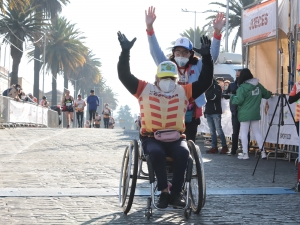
106, 120
297, 127
79, 118
158, 151
191, 129
235, 133
92, 114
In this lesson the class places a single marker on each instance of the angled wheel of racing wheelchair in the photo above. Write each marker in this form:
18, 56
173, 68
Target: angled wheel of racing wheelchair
198, 184
128, 176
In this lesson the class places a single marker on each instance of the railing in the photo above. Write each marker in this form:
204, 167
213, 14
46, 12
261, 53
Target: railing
19, 112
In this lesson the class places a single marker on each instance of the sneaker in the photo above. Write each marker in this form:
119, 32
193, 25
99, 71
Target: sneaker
224, 150
212, 151
163, 200
263, 154
243, 156
177, 200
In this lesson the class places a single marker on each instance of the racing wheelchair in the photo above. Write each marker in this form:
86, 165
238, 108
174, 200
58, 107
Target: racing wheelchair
193, 190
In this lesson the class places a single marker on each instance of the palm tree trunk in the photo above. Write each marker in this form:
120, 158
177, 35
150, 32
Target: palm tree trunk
37, 67
54, 89
16, 56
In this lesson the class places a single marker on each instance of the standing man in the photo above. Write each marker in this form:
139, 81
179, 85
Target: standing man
79, 108
106, 114
231, 90
213, 113
93, 102
220, 81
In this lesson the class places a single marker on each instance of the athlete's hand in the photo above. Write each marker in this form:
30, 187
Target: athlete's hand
204, 50
125, 44
150, 18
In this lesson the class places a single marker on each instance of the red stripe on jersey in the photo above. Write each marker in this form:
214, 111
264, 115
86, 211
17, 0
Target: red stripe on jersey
171, 124
172, 116
156, 115
173, 109
174, 101
154, 99
154, 107
156, 123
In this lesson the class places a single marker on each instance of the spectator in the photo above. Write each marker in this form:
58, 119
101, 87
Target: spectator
44, 102
226, 84
25, 98
294, 97
213, 113
79, 108
67, 103
106, 114
87, 124
138, 123
57, 108
248, 98
93, 102
111, 123
13, 92
32, 97
220, 81
97, 120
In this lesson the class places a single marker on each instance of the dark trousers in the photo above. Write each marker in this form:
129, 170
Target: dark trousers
297, 127
79, 118
106, 120
235, 133
92, 114
191, 129
158, 151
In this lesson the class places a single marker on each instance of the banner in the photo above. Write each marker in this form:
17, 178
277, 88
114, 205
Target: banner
287, 135
259, 22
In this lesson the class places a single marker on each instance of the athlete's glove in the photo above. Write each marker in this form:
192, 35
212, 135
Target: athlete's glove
125, 44
204, 50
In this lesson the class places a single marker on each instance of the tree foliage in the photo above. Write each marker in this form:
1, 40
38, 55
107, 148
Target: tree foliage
125, 118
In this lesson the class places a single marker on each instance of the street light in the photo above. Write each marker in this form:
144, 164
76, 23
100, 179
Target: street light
185, 10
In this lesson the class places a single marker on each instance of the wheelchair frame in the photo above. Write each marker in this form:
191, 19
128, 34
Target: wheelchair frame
194, 187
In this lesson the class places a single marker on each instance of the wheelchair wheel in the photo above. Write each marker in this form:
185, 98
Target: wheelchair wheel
128, 176
197, 187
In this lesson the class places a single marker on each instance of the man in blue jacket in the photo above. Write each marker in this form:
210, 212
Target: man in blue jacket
93, 102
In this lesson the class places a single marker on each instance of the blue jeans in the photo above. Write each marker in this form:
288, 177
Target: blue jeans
214, 123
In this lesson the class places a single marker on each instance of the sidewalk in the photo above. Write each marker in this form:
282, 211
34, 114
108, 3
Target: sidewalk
89, 159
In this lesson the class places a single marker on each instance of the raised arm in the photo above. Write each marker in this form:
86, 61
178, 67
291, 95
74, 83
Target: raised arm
128, 80
207, 72
155, 50
218, 24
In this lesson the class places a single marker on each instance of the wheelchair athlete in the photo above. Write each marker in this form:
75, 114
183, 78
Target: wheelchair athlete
163, 106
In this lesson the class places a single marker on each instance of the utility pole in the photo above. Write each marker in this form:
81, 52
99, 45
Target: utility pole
227, 24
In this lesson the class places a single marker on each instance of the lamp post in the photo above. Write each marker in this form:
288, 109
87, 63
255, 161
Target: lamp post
227, 24
185, 10
44, 62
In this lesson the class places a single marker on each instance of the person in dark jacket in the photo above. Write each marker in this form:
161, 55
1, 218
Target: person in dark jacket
93, 102
294, 96
234, 114
248, 98
213, 113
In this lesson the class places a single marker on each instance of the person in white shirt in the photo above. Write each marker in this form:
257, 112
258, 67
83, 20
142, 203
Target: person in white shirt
79, 108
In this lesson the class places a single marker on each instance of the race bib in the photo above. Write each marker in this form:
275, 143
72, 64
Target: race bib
80, 106
68, 104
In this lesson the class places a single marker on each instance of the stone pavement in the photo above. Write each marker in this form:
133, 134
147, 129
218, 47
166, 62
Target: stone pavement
91, 158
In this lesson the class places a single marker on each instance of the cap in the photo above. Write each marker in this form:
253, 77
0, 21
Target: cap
183, 42
29, 93
92, 90
167, 69
220, 78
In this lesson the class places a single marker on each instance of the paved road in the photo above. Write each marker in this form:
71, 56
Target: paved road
50, 159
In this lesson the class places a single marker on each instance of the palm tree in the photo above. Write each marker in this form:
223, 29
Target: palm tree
110, 97
13, 4
64, 52
190, 35
90, 72
19, 26
50, 10
234, 17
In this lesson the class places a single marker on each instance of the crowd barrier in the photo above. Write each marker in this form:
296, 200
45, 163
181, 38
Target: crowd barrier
19, 112
288, 134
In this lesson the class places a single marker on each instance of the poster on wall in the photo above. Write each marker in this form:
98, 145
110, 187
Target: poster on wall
259, 22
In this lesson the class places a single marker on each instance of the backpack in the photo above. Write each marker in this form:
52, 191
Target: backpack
5, 93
